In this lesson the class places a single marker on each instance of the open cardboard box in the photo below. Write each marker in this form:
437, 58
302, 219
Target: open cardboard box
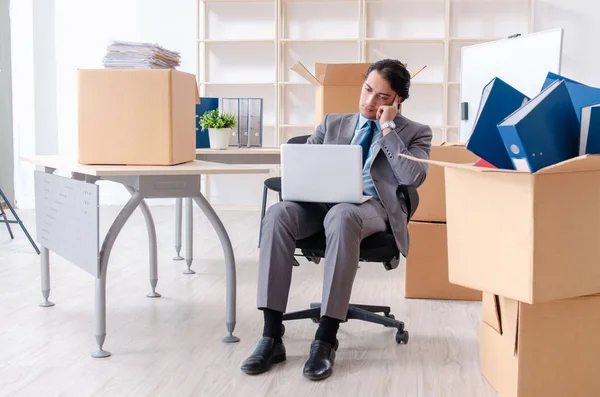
548, 349
533, 237
432, 193
338, 86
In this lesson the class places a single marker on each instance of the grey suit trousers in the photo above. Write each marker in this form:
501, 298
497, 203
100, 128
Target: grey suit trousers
345, 226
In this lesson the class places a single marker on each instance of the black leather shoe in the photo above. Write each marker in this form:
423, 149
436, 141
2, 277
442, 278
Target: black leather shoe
320, 362
267, 352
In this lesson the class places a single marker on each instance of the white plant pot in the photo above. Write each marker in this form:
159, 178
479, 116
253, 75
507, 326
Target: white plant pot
219, 138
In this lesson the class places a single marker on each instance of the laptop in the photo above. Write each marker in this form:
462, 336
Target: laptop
322, 173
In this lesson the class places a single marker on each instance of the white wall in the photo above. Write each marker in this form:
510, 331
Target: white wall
75, 36
581, 23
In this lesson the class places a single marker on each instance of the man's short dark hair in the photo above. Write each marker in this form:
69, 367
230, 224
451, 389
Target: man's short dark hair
394, 72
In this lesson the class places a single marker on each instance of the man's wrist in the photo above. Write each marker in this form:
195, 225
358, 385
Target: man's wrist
386, 131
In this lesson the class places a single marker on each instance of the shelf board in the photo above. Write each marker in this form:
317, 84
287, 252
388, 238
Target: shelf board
332, 40
427, 83
237, 1
453, 83
295, 83
475, 39
439, 40
210, 41
237, 83
452, 127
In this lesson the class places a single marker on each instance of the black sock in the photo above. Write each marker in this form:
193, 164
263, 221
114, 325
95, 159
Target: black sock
328, 328
273, 321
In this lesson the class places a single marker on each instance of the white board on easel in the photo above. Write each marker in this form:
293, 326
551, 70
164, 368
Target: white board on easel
523, 62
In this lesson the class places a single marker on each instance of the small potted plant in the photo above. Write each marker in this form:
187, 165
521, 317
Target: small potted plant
219, 127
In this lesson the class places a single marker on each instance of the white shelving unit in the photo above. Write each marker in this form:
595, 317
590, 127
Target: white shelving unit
247, 47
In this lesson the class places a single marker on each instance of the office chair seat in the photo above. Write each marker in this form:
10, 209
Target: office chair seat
379, 247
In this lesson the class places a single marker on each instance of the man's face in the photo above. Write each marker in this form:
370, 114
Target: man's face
376, 92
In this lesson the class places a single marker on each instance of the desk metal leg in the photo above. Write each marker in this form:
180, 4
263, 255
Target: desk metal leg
45, 260
229, 265
152, 245
109, 241
189, 235
178, 208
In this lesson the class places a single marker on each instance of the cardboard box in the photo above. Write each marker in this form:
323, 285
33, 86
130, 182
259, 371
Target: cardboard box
530, 237
548, 349
136, 117
427, 265
338, 86
432, 193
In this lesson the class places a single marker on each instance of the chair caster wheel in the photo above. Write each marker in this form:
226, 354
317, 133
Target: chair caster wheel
402, 337
282, 329
316, 320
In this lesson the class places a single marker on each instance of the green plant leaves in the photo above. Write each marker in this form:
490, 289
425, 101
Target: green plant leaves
214, 119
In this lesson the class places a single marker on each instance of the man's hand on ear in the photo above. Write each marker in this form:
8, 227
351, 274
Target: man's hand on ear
388, 113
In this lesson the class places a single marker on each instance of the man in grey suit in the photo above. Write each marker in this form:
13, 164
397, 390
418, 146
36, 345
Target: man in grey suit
383, 133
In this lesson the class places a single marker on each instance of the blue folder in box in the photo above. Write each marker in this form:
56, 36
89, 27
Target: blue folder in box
581, 95
206, 104
589, 140
498, 100
543, 132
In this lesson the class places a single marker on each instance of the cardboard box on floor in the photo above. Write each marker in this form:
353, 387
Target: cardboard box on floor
338, 86
432, 193
548, 349
529, 237
427, 265
137, 117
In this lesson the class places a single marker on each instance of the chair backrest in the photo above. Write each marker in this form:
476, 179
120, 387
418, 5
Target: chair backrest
299, 139
411, 197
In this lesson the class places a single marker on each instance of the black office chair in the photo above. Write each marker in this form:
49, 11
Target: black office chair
379, 247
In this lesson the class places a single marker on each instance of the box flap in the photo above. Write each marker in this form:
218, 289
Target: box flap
509, 314
491, 311
588, 162
304, 72
416, 71
341, 73
459, 165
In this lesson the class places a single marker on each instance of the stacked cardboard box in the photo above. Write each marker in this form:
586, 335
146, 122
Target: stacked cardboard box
137, 117
427, 262
530, 241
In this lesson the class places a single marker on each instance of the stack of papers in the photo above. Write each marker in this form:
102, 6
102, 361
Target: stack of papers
132, 55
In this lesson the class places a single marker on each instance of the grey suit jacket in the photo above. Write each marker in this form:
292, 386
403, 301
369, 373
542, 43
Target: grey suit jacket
388, 169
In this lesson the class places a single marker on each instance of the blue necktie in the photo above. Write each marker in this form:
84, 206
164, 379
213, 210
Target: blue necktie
366, 141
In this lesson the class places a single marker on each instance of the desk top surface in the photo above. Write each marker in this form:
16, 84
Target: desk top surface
196, 167
240, 151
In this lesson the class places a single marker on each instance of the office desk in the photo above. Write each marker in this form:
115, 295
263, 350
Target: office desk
232, 155
67, 215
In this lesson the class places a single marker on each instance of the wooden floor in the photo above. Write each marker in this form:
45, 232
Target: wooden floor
171, 346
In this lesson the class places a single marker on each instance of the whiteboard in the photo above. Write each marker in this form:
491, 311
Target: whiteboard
523, 62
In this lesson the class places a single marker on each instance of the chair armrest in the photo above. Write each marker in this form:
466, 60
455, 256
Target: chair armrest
411, 197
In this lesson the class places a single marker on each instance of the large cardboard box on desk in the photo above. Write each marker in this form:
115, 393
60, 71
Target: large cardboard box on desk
432, 193
427, 265
548, 350
137, 117
532, 237
338, 86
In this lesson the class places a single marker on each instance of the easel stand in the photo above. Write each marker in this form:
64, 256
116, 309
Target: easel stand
17, 220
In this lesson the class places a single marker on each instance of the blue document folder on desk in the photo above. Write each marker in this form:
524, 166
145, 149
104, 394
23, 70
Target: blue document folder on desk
206, 104
498, 101
543, 132
581, 95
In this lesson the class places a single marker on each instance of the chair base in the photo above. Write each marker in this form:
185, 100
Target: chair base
366, 313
